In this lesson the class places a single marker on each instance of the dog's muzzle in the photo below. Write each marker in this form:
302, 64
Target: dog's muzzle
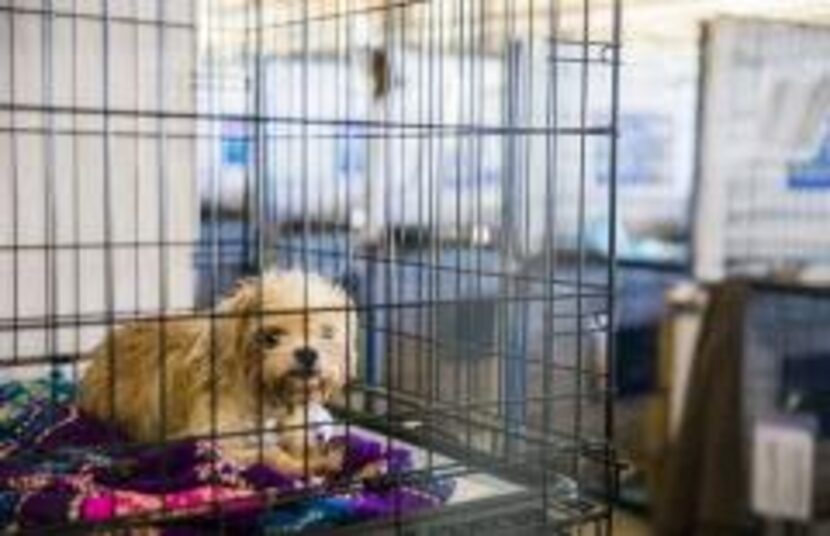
306, 361
301, 387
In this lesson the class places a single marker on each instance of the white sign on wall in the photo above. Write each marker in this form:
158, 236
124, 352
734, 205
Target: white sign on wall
764, 185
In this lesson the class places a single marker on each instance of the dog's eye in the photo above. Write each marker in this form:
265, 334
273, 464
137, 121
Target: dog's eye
270, 338
327, 332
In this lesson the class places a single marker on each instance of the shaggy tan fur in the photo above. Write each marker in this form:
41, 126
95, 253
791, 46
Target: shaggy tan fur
232, 372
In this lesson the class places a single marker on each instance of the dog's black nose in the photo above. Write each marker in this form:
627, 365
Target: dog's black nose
306, 357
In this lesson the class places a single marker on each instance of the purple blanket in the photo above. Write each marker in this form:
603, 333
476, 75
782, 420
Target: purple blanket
58, 466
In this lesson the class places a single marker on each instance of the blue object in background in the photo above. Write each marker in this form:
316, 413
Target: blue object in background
352, 151
637, 356
644, 151
804, 387
815, 172
236, 145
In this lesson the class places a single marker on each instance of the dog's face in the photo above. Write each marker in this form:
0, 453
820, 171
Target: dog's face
296, 337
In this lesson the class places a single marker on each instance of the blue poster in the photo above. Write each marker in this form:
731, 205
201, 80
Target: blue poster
236, 144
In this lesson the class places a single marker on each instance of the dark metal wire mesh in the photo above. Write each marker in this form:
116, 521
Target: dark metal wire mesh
434, 157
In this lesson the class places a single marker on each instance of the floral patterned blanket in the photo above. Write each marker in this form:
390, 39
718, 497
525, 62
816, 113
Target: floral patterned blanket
58, 466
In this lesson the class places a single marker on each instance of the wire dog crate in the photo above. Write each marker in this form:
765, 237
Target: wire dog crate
434, 157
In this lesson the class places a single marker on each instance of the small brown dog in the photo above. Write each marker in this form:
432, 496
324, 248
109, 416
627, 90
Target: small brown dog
277, 348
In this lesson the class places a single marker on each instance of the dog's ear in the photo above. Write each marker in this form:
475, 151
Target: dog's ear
234, 312
240, 298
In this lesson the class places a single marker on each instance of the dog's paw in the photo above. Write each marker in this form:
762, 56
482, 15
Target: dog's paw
372, 471
330, 461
